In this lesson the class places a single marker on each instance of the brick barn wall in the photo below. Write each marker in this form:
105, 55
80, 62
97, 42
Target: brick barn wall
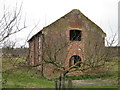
58, 33
31, 51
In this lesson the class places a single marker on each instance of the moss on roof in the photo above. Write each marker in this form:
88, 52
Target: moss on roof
73, 11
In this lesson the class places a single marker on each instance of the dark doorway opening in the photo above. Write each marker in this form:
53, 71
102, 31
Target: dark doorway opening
75, 60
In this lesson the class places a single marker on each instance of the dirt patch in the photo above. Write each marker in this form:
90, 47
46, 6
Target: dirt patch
93, 82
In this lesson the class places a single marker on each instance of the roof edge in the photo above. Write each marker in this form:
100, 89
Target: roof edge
74, 10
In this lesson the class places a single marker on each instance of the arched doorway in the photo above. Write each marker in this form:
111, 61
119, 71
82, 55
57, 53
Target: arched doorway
74, 60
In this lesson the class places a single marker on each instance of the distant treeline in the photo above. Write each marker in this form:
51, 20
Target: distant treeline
15, 52
23, 52
114, 50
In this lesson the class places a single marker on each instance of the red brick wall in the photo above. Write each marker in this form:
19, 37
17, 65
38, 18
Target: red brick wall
35, 53
32, 45
57, 34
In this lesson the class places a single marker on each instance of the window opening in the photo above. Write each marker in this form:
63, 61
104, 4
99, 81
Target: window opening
75, 35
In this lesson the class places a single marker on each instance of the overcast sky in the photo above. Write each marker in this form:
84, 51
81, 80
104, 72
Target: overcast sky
103, 12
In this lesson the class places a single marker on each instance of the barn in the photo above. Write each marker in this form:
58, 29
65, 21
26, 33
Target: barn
71, 39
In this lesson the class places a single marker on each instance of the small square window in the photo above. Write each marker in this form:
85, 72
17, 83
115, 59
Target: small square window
75, 35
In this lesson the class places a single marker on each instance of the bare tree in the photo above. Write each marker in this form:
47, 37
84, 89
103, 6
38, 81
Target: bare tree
56, 48
9, 44
11, 22
55, 51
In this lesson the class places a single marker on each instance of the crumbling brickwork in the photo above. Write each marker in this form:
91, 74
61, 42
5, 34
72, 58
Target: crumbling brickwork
57, 35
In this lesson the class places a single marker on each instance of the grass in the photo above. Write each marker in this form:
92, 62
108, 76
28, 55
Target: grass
107, 73
110, 75
21, 77
15, 77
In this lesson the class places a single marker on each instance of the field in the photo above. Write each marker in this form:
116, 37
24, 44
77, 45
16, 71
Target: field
16, 75
21, 78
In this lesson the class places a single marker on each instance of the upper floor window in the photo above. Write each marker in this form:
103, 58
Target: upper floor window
75, 35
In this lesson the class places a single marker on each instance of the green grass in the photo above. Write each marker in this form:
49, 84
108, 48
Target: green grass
15, 77
110, 71
20, 78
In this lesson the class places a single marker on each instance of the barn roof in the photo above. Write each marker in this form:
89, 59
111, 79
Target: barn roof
73, 11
